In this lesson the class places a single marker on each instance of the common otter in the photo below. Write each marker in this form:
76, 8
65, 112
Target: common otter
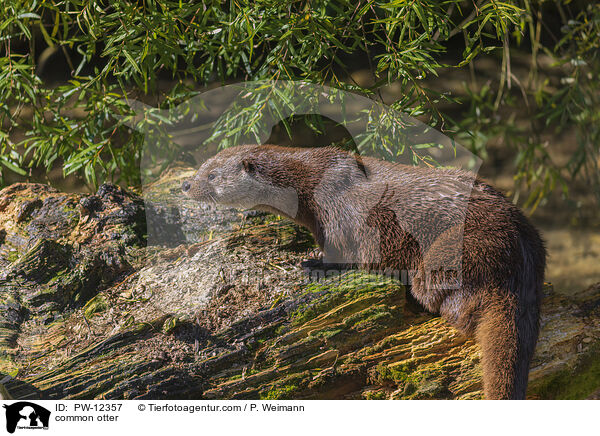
383, 215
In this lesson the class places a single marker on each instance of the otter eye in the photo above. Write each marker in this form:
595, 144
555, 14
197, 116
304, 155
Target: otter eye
211, 176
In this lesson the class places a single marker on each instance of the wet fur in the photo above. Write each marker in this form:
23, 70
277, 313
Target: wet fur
379, 215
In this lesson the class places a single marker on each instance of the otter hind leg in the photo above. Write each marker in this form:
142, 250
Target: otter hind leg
507, 334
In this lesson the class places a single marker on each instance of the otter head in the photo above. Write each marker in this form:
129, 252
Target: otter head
234, 178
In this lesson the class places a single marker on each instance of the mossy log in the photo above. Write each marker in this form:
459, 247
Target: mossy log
87, 311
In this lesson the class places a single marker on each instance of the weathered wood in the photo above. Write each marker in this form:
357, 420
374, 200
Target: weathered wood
87, 312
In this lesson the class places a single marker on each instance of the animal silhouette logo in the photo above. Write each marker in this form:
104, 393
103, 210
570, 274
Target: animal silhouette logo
26, 415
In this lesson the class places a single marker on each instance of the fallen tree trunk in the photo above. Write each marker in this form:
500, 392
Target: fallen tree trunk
87, 311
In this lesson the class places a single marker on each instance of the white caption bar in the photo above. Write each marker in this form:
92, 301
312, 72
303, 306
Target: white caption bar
310, 418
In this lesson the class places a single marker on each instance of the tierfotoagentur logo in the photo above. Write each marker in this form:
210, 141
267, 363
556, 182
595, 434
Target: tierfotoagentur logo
25, 415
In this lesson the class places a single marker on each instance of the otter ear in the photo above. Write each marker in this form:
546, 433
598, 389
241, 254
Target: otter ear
249, 166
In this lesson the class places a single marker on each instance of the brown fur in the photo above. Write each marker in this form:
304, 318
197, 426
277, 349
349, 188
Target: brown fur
382, 215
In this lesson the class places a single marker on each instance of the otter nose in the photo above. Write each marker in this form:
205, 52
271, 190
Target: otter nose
185, 186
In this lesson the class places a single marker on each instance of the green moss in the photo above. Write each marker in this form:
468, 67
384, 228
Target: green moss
397, 372
57, 276
379, 315
279, 393
287, 388
327, 333
12, 256
375, 395
427, 382
238, 376
280, 297
7, 365
418, 382
576, 384
352, 285
427, 372
70, 207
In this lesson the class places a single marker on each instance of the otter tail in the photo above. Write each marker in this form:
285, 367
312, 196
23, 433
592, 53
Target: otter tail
507, 332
